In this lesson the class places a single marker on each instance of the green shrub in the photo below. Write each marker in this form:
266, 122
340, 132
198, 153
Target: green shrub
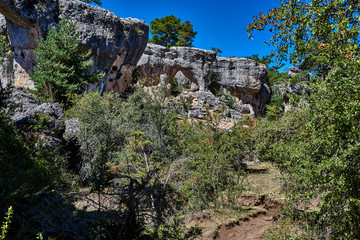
6, 224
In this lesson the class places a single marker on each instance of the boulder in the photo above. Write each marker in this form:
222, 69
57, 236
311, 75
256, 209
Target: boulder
29, 109
117, 44
29, 105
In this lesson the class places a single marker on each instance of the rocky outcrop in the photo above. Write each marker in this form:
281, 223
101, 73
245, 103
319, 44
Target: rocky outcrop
29, 105
117, 44
298, 83
6, 63
30, 112
202, 71
243, 78
192, 62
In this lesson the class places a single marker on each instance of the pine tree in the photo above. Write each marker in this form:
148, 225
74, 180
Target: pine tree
62, 70
169, 31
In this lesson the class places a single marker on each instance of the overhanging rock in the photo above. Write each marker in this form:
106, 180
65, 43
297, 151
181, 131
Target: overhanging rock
117, 44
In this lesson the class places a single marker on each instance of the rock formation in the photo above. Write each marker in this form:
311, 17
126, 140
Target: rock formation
6, 64
243, 78
28, 110
117, 44
192, 62
298, 83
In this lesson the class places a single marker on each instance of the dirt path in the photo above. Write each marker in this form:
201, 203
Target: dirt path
252, 229
257, 224
260, 207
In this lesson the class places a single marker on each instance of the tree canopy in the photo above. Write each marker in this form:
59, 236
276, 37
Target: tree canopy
169, 31
315, 31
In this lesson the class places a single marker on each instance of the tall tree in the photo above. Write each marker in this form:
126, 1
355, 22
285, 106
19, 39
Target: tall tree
169, 31
61, 68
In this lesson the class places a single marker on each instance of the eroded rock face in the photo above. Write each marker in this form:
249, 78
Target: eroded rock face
243, 78
117, 44
6, 64
192, 62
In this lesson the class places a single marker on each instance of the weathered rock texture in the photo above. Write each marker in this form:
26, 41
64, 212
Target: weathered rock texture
298, 83
192, 62
117, 44
27, 113
6, 64
243, 78
31, 105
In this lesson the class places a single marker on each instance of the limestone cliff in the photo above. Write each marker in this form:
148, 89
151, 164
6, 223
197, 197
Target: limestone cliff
117, 44
242, 78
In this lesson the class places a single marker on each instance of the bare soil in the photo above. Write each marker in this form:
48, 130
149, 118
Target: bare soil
256, 225
253, 229
261, 203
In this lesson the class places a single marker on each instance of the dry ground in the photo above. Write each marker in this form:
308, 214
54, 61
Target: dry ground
259, 208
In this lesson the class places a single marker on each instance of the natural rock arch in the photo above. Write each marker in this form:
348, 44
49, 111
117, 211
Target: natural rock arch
244, 78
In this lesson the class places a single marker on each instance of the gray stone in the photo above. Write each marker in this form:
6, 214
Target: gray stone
182, 81
233, 114
192, 62
298, 87
6, 64
3, 28
208, 99
244, 78
194, 87
196, 112
72, 127
29, 105
117, 44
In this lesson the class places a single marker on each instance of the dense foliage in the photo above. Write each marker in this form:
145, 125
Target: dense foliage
317, 146
312, 32
62, 70
135, 151
169, 31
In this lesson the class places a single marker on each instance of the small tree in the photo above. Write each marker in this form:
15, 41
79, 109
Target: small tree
61, 68
4, 48
169, 31
218, 51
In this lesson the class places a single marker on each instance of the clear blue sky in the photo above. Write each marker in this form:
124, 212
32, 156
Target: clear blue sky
219, 23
